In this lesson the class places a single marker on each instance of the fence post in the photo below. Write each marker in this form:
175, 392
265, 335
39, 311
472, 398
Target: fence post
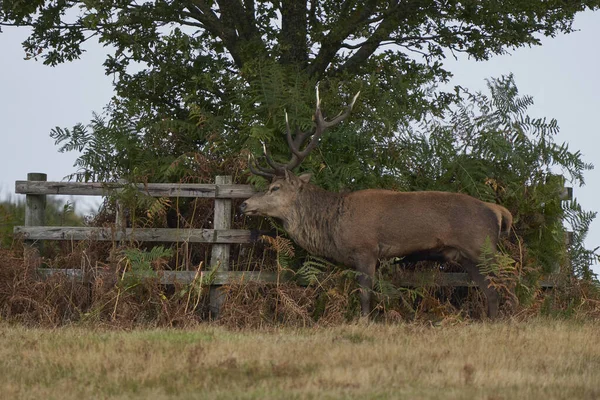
120, 217
220, 252
35, 215
566, 195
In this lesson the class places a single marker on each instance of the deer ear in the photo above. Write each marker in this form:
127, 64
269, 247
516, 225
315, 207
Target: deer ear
305, 177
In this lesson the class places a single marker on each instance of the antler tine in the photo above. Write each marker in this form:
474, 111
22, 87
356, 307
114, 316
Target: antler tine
321, 126
318, 98
288, 133
258, 170
296, 142
343, 114
272, 163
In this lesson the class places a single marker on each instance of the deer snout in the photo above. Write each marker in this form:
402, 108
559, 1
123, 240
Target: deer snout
248, 208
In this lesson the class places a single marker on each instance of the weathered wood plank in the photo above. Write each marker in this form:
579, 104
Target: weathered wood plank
410, 279
35, 215
443, 279
218, 278
137, 234
35, 204
220, 252
566, 194
447, 279
228, 191
222, 221
569, 238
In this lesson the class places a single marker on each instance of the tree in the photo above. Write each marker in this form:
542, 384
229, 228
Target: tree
234, 66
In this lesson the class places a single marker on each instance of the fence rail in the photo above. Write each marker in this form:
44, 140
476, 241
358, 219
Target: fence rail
219, 278
218, 191
212, 278
220, 236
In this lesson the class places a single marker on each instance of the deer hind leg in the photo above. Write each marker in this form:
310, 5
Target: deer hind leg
490, 293
455, 255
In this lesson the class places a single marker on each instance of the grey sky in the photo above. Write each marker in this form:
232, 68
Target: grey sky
562, 76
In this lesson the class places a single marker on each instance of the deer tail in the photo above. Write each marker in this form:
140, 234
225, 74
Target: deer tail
504, 218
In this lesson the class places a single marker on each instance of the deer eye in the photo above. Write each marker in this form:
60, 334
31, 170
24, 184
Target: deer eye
274, 188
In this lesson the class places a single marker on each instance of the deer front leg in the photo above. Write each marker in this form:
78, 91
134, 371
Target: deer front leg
366, 271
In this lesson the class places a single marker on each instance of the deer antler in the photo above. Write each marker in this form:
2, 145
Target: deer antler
294, 143
256, 169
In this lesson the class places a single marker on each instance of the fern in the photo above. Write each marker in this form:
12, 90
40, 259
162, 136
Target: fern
284, 249
490, 148
158, 208
138, 260
313, 269
580, 257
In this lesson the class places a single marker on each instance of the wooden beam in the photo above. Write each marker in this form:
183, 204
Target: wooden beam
442, 279
35, 203
410, 279
220, 252
228, 191
569, 238
136, 234
35, 215
171, 277
566, 194
221, 221
447, 279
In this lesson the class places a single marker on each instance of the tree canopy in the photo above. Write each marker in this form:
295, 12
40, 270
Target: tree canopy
235, 65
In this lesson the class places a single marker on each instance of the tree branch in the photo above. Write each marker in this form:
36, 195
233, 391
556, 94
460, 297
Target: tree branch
203, 12
340, 31
383, 31
236, 27
240, 14
293, 35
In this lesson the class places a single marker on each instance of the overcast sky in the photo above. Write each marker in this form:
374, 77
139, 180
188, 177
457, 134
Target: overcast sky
562, 75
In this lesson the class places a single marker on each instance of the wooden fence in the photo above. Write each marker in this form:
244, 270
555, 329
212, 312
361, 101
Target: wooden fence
36, 188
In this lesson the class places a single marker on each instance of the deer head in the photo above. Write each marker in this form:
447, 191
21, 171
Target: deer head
279, 199
277, 169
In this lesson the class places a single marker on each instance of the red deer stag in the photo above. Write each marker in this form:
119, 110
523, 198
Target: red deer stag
360, 228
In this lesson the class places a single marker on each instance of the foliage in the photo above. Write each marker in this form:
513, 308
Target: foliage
235, 66
487, 146
284, 250
580, 258
107, 296
142, 263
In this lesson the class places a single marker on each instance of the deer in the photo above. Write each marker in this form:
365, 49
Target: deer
359, 229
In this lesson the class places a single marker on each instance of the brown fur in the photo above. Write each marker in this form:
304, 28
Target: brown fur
359, 228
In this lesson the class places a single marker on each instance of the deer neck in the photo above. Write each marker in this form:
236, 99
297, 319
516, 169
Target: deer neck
313, 220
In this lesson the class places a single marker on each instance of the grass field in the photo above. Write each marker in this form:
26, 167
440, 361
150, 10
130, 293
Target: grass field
540, 359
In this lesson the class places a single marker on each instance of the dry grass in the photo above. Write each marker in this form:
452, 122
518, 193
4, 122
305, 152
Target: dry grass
548, 359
